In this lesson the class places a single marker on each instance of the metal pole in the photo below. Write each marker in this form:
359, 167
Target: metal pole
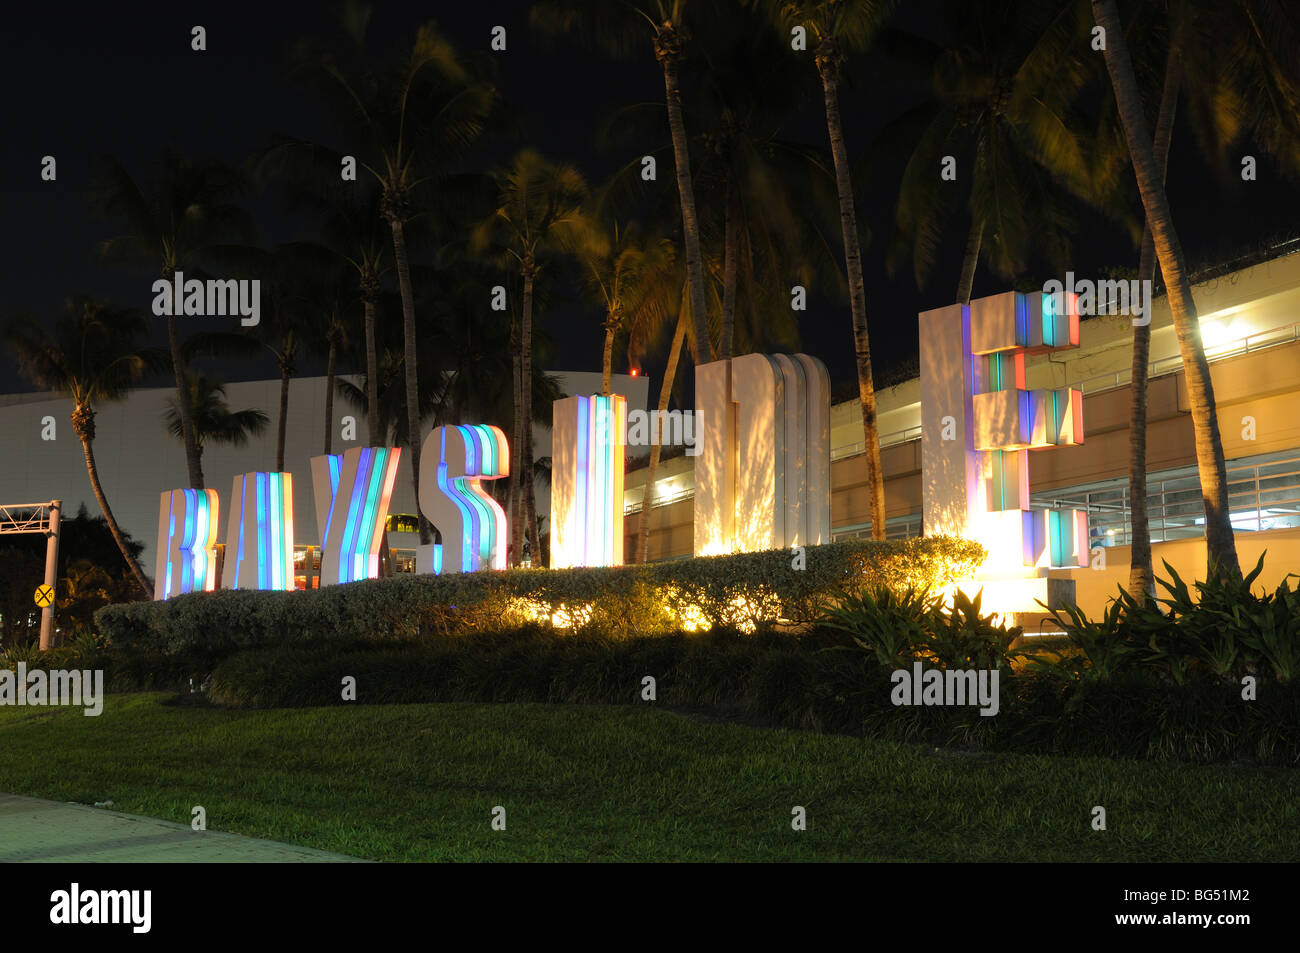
51, 572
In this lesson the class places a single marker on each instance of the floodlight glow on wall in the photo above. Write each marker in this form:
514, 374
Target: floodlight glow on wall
587, 462
352, 493
453, 462
980, 422
762, 465
187, 541
259, 535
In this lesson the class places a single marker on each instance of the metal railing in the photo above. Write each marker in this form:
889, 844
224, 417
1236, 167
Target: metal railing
1262, 495
683, 494
896, 527
1168, 365
893, 438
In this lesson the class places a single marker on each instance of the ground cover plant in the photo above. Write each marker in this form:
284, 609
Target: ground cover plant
593, 782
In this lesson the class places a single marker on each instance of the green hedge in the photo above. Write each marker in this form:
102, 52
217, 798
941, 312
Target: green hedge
748, 591
818, 680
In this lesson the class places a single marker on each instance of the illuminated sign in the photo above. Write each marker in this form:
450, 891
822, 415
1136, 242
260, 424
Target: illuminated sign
587, 463
259, 535
762, 465
980, 422
187, 540
453, 462
352, 492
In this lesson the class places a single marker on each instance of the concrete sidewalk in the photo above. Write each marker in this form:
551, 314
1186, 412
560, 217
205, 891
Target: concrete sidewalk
36, 831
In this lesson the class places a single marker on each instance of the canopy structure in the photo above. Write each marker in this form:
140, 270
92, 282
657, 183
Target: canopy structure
38, 518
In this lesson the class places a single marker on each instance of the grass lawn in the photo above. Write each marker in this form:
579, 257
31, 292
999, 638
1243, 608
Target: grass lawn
419, 782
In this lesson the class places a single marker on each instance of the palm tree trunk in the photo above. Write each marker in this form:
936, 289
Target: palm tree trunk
1220, 543
192, 462
665, 391
409, 359
516, 456
607, 360
83, 423
284, 414
828, 66
702, 352
970, 261
329, 391
524, 419
530, 500
1141, 579
730, 269
377, 437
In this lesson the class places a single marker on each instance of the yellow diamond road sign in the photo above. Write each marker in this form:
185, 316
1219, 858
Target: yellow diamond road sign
44, 596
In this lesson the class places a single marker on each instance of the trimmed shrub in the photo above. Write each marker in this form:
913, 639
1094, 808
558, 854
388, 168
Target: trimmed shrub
747, 591
816, 680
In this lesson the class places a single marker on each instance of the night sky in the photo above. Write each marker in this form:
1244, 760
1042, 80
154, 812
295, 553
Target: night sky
82, 81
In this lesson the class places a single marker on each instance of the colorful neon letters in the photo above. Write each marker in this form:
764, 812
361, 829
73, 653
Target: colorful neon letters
762, 465
259, 534
187, 540
453, 462
353, 490
587, 462
980, 421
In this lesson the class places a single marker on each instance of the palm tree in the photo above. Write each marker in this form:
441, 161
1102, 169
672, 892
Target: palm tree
642, 551
1141, 580
349, 223
769, 204
539, 215
213, 420
633, 280
1001, 106
295, 306
190, 207
94, 358
840, 28
620, 29
1245, 80
408, 125
1220, 543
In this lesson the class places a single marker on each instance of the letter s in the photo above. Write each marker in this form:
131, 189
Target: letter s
453, 461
